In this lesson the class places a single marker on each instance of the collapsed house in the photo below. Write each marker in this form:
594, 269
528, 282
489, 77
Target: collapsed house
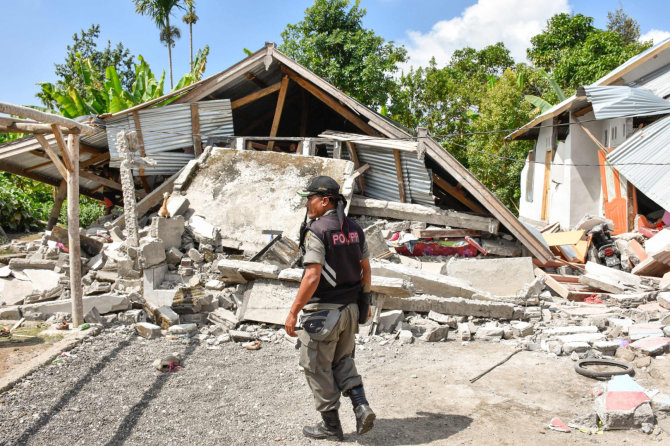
223, 161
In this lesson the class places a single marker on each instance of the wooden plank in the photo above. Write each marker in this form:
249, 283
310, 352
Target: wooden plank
98, 179
49, 118
651, 267
278, 110
545, 188
358, 172
95, 159
255, 80
195, 128
255, 96
52, 155
59, 198
63, 148
438, 233
330, 102
563, 238
76, 291
399, 175
552, 283
39, 166
562, 278
34, 129
458, 194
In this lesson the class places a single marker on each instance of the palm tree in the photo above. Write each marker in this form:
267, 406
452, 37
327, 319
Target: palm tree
190, 19
159, 11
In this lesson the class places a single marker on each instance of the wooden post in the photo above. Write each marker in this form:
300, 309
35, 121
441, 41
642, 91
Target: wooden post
398, 171
278, 110
76, 292
354, 157
195, 127
58, 204
545, 188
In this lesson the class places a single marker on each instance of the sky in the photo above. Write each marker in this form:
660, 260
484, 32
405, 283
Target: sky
35, 33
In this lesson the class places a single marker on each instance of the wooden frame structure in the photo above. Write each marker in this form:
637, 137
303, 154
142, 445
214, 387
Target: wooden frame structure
67, 163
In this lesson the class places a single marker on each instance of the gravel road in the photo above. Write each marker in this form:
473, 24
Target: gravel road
108, 393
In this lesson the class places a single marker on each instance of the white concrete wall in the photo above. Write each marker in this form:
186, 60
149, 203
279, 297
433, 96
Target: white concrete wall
533, 209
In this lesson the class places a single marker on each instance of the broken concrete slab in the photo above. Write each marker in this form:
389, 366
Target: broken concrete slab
600, 283
451, 305
43, 280
241, 271
651, 346
166, 317
148, 330
631, 300
606, 347
640, 331
500, 277
268, 301
13, 291
203, 231
177, 205
522, 329
428, 214
169, 230
568, 348
613, 275
624, 404
105, 303
152, 278
589, 338
183, 329
93, 317
12, 312
376, 243
663, 299
388, 286
224, 318
20, 264
90, 245
571, 329
658, 246
173, 256
273, 178
445, 319
424, 281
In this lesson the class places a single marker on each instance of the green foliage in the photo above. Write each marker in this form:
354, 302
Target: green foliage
623, 24
84, 46
22, 203
332, 42
89, 211
577, 53
446, 100
492, 159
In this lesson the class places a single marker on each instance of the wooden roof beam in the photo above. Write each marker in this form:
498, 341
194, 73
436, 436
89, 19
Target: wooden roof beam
63, 148
458, 194
330, 102
37, 115
255, 80
95, 159
255, 96
52, 155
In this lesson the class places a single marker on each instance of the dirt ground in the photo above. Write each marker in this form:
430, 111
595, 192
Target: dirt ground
107, 392
21, 348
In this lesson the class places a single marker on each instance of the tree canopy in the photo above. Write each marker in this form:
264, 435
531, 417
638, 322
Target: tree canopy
332, 42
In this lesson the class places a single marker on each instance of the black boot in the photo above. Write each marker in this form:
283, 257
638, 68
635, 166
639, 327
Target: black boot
327, 429
365, 417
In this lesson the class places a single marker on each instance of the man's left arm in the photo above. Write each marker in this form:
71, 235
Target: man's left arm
308, 285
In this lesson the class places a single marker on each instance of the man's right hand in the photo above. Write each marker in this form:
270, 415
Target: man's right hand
289, 325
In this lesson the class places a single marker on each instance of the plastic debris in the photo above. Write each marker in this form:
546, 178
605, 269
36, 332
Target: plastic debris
558, 425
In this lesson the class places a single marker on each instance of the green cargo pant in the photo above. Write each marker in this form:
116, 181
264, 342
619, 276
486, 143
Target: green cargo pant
329, 364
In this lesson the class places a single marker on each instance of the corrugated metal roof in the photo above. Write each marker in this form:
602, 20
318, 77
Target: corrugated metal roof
167, 130
620, 102
658, 82
644, 160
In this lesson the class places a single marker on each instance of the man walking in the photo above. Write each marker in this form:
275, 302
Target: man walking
337, 278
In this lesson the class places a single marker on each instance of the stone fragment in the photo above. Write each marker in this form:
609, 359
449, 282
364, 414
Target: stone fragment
224, 318
661, 403
405, 337
388, 320
195, 255
643, 361
183, 329
625, 354
489, 332
522, 329
95, 263
152, 252
214, 284
168, 230
574, 347
445, 319
606, 347
240, 271
173, 256
132, 316
435, 334
203, 231
463, 332
663, 299
376, 243
640, 331
166, 317
424, 281
177, 205
624, 405
502, 248
147, 330
93, 317
241, 336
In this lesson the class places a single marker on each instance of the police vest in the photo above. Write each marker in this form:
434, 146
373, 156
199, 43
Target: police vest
340, 280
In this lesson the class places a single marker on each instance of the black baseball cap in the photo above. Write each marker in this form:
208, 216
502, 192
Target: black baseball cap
321, 185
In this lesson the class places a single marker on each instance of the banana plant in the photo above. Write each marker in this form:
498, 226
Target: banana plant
541, 104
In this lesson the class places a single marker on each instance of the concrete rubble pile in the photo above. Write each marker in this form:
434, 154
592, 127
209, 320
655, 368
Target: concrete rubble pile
217, 269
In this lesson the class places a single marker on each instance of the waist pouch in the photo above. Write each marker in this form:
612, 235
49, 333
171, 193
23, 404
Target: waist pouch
319, 324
